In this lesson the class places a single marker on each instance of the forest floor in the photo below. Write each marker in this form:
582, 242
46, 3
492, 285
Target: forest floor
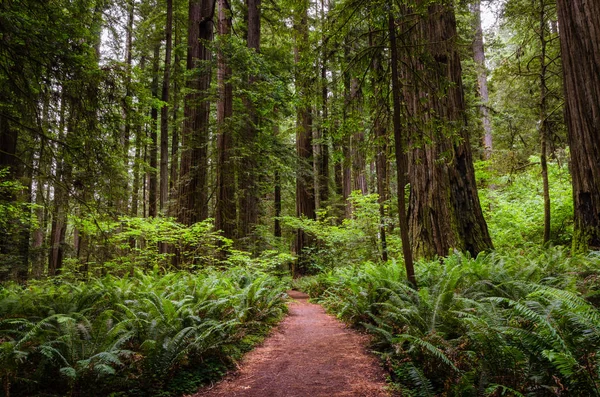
309, 354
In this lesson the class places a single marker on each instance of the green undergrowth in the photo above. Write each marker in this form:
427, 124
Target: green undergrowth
523, 324
151, 334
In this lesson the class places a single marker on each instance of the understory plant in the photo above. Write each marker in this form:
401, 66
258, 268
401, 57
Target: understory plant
136, 333
498, 324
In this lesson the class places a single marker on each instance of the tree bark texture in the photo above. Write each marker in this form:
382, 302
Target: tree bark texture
174, 166
579, 29
164, 112
400, 141
248, 172
323, 159
444, 209
305, 194
153, 150
544, 128
225, 212
482, 86
382, 141
192, 203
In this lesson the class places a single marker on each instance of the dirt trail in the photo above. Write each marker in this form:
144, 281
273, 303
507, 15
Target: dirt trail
309, 354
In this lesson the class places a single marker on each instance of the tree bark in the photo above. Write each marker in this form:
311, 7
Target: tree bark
579, 29
248, 172
164, 112
305, 194
401, 158
174, 167
152, 173
225, 212
380, 113
323, 158
482, 86
543, 108
277, 194
193, 197
444, 210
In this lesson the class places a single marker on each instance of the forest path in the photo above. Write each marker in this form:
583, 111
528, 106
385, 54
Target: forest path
309, 354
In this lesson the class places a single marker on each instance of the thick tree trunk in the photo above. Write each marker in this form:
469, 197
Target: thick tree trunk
543, 107
323, 158
60, 204
153, 150
225, 212
164, 113
193, 196
401, 158
305, 193
248, 172
174, 167
277, 193
359, 163
127, 104
444, 211
579, 29
482, 86
380, 113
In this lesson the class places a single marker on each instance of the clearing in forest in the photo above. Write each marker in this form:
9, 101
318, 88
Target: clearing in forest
309, 354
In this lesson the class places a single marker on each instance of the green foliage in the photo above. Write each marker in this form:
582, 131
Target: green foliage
514, 205
134, 333
494, 325
353, 241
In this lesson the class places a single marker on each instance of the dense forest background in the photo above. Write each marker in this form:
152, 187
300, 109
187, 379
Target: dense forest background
152, 146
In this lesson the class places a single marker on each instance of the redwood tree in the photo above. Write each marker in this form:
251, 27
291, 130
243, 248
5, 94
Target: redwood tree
193, 196
579, 29
305, 194
444, 209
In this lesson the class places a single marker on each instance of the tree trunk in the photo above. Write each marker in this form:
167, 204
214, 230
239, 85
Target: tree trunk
323, 159
444, 211
543, 108
175, 131
359, 164
305, 194
401, 158
193, 196
152, 177
277, 194
225, 212
482, 87
60, 204
248, 172
579, 29
127, 105
381, 140
164, 113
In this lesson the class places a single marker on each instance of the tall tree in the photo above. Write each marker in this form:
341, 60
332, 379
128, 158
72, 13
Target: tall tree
579, 29
248, 178
225, 207
193, 196
544, 33
322, 160
482, 85
444, 212
153, 150
400, 142
305, 193
164, 111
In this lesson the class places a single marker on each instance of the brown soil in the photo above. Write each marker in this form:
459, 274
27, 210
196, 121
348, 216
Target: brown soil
309, 354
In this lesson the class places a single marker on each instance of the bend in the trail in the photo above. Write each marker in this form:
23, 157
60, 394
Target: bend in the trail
309, 354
